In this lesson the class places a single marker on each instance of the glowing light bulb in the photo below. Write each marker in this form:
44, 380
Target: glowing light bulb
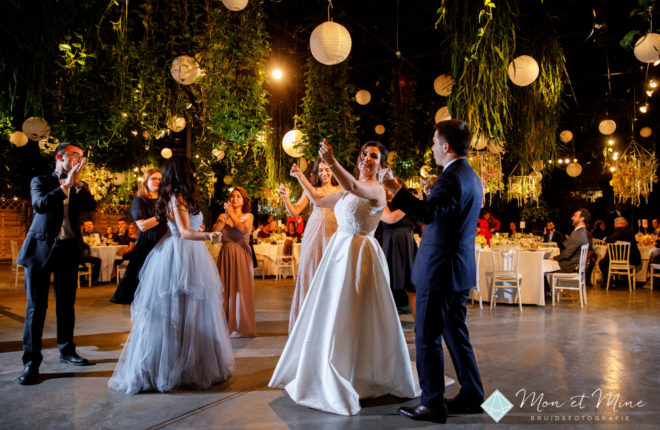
610, 142
653, 84
643, 109
567, 161
560, 161
277, 74
612, 169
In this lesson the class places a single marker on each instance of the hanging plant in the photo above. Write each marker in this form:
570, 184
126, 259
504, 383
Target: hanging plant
407, 161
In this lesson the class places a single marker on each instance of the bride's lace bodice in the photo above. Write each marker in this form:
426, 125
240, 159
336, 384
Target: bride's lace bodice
356, 215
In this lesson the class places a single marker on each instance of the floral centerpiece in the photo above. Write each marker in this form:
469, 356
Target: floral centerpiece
277, 237
480, 241
644, 239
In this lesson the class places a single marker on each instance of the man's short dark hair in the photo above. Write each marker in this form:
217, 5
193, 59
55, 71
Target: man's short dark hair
457, 134
62, 147
585, 214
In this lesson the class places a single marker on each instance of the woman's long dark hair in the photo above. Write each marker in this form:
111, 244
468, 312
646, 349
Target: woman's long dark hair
315, 180
383, 156
179, 182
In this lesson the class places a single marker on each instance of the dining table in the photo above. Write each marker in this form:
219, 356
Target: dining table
107, 254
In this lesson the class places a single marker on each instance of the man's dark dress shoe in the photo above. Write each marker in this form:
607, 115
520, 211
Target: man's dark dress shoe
74, 359
422, 413
29, 376
460, 405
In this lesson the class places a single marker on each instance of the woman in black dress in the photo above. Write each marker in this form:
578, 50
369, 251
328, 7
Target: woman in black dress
144, 213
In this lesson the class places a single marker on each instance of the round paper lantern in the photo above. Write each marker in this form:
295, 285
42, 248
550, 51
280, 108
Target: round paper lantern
36, 128
425, 171
379, 129
443, 85
495, 147
302, 164
227, 180
219, 154
573, 169
235, 4
537, 165
363, 97
330, 43
479, 141
166, 153
644, 132
607, 126
117, 179
185, 70
523, 70
291, 143
536, 175
392, 157
647, 48
442, 114
176, 123
566, 136
18, 138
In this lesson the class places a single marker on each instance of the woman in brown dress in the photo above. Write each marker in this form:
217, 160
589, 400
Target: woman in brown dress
235, 264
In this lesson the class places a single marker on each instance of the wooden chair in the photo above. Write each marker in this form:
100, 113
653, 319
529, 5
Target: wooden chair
85, 269
598, 242
505, 272
572, 281
261, 259
15, 268
619, 253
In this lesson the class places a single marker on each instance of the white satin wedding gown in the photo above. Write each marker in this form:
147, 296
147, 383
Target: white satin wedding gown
347, 343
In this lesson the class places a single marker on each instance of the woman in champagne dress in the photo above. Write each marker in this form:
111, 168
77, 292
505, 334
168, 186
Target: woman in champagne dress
347, 343
321, 225
235, 264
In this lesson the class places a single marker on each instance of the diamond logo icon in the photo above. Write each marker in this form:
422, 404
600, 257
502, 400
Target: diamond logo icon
497, 406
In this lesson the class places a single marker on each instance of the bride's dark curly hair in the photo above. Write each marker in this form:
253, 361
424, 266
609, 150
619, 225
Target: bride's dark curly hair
178, 181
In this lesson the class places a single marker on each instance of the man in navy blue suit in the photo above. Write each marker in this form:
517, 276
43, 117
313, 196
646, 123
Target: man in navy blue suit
443, 274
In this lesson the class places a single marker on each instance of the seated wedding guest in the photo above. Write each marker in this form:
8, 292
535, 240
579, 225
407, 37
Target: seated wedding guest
292, 232
513, 229
569, 258
300, 222
552, 235
265, 232
655, 226
623, 233
256, 229
109, 235
599, 231
487, 225
89, 234
122, 233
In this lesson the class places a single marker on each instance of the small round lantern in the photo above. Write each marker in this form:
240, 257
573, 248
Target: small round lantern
176, 123
443, 85
166, 153
647, 48
380, 129
573, 169
442, 114
607, 127
646, 132
235, 5
36, 128
363, 97
18, 138
523, 70
566, 136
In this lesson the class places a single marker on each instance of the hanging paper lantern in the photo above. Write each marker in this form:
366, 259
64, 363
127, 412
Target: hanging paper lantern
379, 129
185, 70
302, 164
566, 136
330, 43
176, 123
443, 85
646, 132
235, 5
479, 141
219, 154
537, 175
363, 97
425, 171
523, 70
292, 143
607, 126
117, 179
647, 48
442, 114
166, 153
573, 169
36, 128
18, 138
227, 180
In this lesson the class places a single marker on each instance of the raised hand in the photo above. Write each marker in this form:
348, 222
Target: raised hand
325, 152
295, 171
386, 177
284, 193
229, 209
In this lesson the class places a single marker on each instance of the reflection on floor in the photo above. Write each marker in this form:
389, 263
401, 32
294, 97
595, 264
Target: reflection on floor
563, 355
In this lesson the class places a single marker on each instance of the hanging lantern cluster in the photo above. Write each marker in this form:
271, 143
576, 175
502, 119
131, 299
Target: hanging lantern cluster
524, 189
633, 174
488, 167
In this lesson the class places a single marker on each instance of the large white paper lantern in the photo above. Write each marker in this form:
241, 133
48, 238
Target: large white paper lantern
118, 179
330, 43
36, 128
291, 143
363, 97
18, 138
607, 126
573, 169
566, 136
442, 114
235, 4
647, 48
379, 129
185, 70
166, 153
443, 85
644, 132
523, 70
479, 141
176, 123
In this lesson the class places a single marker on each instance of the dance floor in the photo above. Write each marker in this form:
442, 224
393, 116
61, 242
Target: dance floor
562, 354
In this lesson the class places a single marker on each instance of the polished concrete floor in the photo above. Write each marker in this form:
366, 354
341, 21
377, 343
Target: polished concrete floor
561, 357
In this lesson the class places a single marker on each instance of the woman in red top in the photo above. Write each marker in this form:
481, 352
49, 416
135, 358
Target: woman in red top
487, 225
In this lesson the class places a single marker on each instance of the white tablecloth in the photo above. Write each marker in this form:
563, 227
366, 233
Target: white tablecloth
107, 254
270, 251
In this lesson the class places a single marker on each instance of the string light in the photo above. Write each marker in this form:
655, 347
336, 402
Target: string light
277, 74
653, 84
610, 142
643, 108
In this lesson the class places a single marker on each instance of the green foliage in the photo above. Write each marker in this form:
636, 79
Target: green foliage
537, 215
327, 112
408, 160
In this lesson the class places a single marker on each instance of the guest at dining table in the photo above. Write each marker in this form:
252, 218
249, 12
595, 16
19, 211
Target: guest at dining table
600, 230
655, 226
122, 233
487, 225
298, 220
89, 233
569, 257
292, 232
513, 229
552, 235
264, 232
109, 235
623, 233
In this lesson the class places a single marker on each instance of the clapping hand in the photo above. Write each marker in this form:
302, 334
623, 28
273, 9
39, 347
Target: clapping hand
229, 210
325, 152
295, 171
215, 236
73, 175
284, 193
386, 177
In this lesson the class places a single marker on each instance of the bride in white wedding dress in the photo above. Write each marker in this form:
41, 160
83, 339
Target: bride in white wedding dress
347, 343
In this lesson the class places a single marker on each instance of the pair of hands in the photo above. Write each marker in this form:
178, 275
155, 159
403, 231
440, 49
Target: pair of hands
215, 236
73, 175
